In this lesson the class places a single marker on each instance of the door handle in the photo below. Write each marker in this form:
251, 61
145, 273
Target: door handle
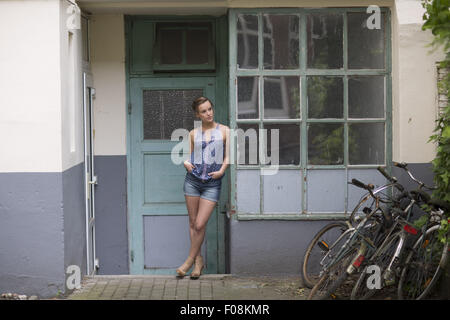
225, 208
94, 180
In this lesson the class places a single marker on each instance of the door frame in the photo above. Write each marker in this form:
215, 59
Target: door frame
137, 231
221, 99
90, 179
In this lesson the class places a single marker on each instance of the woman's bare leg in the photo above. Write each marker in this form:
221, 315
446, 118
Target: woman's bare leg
192, 207
205, 208
192, 204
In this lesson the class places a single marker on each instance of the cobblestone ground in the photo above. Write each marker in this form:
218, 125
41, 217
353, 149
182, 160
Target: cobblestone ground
208, 287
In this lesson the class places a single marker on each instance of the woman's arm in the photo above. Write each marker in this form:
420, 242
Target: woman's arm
187, 164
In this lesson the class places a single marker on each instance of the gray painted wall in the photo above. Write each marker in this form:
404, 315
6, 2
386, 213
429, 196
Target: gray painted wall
422, 171
270, 246
74, 218
31, 233
111, 214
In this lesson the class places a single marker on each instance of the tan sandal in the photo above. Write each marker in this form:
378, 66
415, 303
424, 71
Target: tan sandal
198, 266
185, 267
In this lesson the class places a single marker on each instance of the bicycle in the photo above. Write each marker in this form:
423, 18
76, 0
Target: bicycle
428, 257
320, 243
342, 260
389, 258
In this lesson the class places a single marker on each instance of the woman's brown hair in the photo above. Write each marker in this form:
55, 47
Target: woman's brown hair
199, 101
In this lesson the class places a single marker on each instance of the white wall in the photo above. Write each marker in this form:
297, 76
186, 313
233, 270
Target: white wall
414, 84
30, 92
72, 121
108, 68
41, 121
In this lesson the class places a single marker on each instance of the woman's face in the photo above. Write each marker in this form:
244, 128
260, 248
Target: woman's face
205, 112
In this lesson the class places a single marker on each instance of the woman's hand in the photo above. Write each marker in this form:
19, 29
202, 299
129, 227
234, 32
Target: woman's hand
216, 174
189, 166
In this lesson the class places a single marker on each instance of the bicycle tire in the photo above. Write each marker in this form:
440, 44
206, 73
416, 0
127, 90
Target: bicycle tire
414, 265
309, 276
381, 258
332, 279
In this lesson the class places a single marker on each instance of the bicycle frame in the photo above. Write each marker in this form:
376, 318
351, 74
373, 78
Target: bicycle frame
356, 234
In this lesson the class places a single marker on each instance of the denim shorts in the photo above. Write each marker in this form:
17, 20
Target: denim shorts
195, 187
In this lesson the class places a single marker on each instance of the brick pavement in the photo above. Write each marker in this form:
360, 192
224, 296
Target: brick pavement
207, 287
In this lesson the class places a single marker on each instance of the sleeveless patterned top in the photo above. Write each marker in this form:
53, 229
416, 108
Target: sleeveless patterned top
207, 156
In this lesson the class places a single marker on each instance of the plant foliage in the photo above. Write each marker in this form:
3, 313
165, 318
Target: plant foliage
437, 19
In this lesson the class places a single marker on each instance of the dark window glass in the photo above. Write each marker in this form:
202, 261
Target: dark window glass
366, 97
366, 48
281, 34
325, 41
247, 41
281, 98
366, 143
248, 106
326, 143
325, 97
288, 148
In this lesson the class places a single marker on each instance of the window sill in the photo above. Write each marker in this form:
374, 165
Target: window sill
288, 217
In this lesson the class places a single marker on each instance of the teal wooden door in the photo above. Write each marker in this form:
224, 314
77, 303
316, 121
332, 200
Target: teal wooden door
158, 220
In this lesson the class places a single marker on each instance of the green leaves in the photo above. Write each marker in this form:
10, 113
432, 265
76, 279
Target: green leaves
437, 19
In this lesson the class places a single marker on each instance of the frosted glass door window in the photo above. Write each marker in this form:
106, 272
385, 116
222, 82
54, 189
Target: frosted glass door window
167, 110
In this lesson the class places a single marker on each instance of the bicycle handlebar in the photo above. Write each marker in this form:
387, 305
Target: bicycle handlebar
391, 179
403, 166
360, 184
386, 175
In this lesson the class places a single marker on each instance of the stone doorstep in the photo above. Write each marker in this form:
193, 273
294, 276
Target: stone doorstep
155, 276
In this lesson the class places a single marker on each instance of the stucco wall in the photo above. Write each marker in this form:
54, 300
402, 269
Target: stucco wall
30, 82
108, 68
414, 84
41, 167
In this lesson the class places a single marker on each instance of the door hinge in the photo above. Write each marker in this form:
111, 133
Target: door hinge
129, 108
132, 255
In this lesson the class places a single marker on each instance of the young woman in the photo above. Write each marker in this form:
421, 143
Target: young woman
205, 169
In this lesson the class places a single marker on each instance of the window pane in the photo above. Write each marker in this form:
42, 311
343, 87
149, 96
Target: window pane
85, 38
366, 97
281, 97
171, 46
247, 91
366, 143
248, 144
167, 110
325, 42
281, 46
197, 46
325, 97
247, 41
288, 149
326, 143
365, 46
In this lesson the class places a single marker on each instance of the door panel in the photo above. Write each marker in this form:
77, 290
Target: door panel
159, 234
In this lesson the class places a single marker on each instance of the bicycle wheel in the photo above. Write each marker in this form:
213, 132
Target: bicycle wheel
423, 266
327, 286
381, 258
317, 249
364, 206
